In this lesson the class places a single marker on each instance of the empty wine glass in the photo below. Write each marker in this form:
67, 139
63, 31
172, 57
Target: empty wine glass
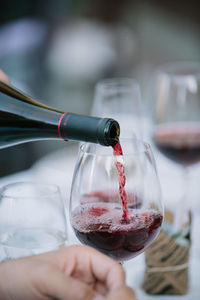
96, 210
32, 219
120, 99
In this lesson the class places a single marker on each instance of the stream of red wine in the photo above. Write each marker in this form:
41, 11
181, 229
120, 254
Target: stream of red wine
117, 150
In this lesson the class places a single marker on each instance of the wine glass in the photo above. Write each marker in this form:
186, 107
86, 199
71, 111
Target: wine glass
176, 130
120, 99
101, 180
32, 219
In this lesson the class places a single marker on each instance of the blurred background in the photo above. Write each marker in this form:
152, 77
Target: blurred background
56, 51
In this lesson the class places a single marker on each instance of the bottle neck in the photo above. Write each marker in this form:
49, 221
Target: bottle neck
28, 122
76, 127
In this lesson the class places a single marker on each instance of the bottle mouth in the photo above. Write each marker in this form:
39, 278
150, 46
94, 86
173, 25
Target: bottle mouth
112, 131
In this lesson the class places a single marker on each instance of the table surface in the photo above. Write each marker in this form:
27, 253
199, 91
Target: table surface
58, 168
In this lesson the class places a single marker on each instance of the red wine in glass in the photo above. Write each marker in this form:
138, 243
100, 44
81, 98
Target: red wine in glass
179, 142
98, 220
100, 225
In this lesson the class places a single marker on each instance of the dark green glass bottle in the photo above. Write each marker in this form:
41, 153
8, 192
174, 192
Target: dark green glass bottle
23, 120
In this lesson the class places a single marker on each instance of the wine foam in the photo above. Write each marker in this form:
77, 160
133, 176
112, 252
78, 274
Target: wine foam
84, 220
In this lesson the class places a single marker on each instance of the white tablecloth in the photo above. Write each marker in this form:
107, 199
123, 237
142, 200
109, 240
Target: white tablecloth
58, 168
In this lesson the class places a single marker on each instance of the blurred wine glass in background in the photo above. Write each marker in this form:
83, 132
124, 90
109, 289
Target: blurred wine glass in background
120, 99
176, 130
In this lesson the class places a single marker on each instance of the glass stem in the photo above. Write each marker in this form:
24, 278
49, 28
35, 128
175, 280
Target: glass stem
180, 212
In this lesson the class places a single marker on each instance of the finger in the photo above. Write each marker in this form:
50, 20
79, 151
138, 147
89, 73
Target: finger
106, 270
59, 286
4, 77
96, 266
123, 292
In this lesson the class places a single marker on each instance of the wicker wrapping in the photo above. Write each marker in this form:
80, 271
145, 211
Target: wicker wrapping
167, 261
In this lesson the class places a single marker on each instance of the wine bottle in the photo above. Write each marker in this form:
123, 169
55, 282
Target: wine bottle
23, 119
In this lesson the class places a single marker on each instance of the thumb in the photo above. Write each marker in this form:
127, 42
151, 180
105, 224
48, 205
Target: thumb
123, 292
